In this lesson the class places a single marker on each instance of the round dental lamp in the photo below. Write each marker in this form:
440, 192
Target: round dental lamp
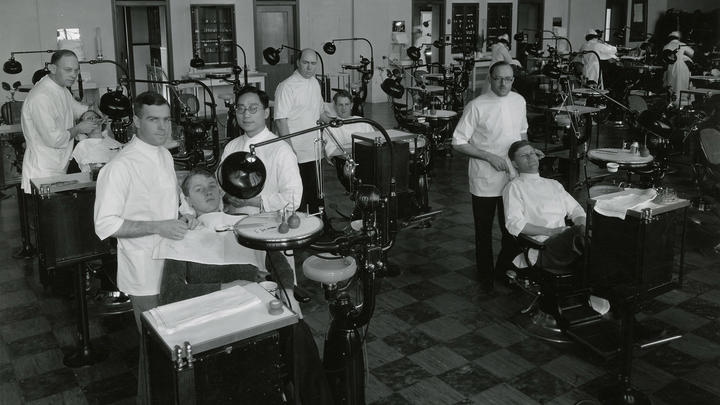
197, 61
117, 106
12, 66
413, 53
40, 73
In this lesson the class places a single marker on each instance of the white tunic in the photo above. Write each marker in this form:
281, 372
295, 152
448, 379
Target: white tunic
591, 65
47, 113
677, 75
343, 135
491, 123
283, 184
139, 184
500, 52
299, 100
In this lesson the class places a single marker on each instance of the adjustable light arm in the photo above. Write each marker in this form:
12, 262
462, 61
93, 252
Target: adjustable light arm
12, 66
245, 69
123, 79
372, 57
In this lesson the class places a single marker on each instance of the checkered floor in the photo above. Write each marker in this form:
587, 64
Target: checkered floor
435, 337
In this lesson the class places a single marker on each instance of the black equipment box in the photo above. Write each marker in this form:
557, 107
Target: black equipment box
373, 158
233, 360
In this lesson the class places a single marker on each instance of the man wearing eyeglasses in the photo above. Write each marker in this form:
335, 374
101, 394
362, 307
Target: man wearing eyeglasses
283, 185
487, 128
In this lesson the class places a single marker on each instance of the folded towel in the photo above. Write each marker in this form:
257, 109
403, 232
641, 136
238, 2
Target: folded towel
196, 311
617, 204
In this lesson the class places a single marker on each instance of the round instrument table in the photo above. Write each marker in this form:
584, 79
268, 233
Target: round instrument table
261, 232
439, 114
623, 157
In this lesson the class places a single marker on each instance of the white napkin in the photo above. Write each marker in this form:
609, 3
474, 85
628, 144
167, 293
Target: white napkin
617, 204
199, 310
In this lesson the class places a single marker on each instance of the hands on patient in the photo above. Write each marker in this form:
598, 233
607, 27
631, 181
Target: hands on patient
172, 228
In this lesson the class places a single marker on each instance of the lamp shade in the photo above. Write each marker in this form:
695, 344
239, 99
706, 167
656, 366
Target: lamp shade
242, 175
39, 74
197, 61
413, 53
271, 55
329, 48
12, 67
392, 88
115, 105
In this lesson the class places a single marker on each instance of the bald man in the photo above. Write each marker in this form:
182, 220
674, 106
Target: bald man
298, 106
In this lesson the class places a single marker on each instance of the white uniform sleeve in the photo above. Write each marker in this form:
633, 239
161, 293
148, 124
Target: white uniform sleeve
290, 187
524, 125
48, 126
283, 102
465, 127
111, 190
515, 219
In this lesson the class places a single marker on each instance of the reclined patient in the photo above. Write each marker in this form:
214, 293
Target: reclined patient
538, 207
205, 260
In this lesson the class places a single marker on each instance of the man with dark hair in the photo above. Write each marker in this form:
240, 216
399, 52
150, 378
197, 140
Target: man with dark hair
48, 120
538, 207
489, 125
283, 185
137, 202
298, 106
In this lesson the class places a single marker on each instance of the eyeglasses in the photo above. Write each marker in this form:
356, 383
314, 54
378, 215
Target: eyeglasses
508, 79
253, 109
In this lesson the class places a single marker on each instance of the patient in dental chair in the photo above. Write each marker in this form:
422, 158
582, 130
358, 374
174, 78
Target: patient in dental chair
207, 260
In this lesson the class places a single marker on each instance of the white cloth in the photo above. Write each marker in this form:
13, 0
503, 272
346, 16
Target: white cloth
531, 199
343, 135
491, 123
95, 150
139, 184
617, 204
299, 100
500, 52
204, 245
591, 65
47, 113
677, 75
283, 184
180, 315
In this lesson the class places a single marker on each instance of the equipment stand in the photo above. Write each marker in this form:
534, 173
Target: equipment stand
84, 355
27, 250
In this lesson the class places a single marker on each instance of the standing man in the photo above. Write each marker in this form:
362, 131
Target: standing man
487, 128
137, 202
677, 75
48, 120
283, 185
298, 106
591, 64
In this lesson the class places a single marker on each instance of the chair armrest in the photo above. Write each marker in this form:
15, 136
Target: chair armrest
527, 241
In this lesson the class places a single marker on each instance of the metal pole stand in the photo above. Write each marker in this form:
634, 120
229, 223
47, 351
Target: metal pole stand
85, 354
26, 251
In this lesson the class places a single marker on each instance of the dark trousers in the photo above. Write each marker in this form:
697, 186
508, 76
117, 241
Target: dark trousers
563, 249
308, 174
484, 209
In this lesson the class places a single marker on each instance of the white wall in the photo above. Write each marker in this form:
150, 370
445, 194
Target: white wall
32, 25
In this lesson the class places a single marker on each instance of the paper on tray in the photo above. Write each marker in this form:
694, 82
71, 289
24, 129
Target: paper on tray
196, 311
617, 204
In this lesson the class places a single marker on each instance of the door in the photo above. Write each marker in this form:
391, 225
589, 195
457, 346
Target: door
274, 27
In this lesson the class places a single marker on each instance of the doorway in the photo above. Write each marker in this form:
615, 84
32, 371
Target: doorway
530, 22
427, 27
142, 41
615, 22
275, 24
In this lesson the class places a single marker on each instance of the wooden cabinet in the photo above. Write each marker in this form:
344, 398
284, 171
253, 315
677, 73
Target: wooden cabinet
213, 29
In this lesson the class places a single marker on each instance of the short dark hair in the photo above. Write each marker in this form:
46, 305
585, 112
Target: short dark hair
197, 171
61, 53
497, 65
147, 98
264, 99
590, 36
341, 93
515, 146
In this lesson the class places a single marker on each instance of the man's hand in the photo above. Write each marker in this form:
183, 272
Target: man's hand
555, 231
190, 220
540, 155
83, 127
172, 229
234, 283
498, 163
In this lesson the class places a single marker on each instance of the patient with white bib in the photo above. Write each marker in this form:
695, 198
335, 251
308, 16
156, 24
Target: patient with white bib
209, 258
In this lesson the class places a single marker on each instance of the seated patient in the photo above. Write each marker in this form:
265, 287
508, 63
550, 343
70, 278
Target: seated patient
538, 207
97, 148
205, 260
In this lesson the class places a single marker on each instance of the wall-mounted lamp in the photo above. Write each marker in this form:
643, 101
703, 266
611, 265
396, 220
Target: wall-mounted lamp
12, 66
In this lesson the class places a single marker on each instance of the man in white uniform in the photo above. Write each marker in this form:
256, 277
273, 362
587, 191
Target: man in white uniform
342, 100
487, 128
137, 202
538, 207
591, 64
283, 184
677, 76
48, 120
298, 106
500, 51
